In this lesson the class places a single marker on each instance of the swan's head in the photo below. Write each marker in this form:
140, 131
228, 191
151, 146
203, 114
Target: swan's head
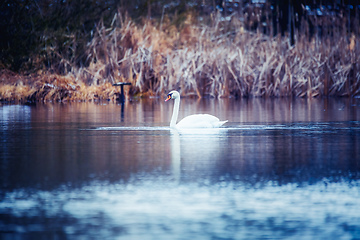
172, 95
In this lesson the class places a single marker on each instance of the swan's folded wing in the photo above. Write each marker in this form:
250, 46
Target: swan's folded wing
200, 121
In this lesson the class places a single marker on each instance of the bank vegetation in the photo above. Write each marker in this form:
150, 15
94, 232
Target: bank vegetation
203, 56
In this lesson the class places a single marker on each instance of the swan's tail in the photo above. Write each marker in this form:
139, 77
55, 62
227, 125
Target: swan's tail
222, 123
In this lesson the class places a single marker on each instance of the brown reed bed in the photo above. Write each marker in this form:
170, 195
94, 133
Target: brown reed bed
51, 88
219, 59
222, 60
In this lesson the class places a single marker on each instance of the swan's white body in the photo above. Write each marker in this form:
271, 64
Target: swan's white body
192, 121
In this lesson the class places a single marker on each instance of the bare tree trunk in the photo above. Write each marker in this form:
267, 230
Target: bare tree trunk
149, 9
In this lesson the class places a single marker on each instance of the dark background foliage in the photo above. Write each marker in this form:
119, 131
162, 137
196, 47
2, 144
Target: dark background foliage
38, 33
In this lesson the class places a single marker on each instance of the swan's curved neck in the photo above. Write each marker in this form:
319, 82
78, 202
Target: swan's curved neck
175, 112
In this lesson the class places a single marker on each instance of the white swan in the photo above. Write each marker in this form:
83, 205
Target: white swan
192, 121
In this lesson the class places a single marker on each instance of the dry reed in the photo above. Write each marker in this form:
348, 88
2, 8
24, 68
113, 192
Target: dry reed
220, 60
49, 88
215, 61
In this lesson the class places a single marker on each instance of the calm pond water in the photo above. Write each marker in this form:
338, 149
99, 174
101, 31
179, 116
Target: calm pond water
279, 169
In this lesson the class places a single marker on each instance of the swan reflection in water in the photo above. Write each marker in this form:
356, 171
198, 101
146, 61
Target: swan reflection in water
195, 152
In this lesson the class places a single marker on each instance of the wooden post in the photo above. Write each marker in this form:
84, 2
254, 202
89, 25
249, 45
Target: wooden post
122, 95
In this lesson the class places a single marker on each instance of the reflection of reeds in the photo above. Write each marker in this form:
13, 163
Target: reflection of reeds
218, 60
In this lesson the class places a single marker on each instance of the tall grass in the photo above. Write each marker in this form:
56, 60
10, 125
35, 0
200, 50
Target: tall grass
220, 59
51, 88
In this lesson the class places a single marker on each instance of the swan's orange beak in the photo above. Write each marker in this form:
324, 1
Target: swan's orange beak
168, 98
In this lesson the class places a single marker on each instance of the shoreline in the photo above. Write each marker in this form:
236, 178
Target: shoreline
50, 88
18, 88
32, 88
